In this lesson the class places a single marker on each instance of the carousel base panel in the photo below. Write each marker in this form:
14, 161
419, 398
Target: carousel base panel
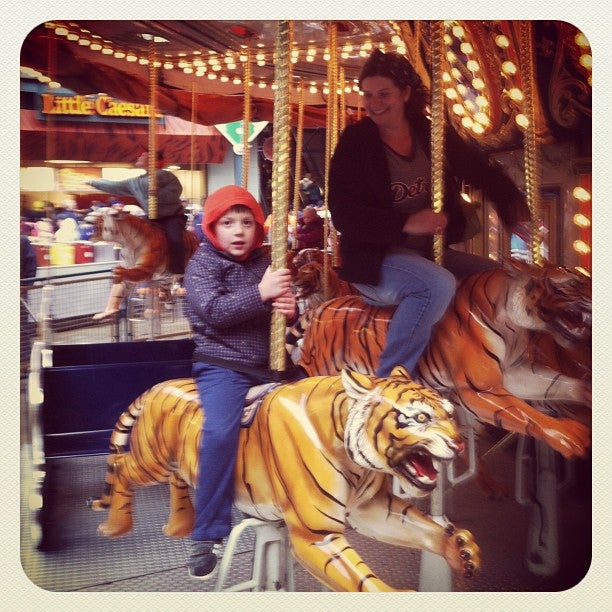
145, 560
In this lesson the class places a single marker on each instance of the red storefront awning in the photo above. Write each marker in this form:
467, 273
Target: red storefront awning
111, 142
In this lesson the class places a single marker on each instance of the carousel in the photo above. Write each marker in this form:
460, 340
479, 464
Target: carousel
502, 394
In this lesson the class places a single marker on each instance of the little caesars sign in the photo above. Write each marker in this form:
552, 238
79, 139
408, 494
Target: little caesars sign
90, 106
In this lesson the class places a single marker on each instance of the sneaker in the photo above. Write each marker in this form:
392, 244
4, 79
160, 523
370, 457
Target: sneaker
203, 561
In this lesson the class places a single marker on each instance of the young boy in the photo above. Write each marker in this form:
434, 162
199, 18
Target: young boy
230, 293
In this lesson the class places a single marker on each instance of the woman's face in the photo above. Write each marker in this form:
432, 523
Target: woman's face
384, 100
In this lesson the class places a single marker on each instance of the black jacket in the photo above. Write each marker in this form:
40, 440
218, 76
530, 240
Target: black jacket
360, 199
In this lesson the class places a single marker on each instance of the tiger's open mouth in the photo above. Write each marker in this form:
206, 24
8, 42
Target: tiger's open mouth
419, 468
571, 324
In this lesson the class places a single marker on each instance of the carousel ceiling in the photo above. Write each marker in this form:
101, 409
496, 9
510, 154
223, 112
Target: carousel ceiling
201, 65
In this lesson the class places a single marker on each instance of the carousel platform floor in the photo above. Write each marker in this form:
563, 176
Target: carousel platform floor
147, 561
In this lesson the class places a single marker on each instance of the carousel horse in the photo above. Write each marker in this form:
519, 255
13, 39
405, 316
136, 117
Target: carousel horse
481, 353
320, 454
144, 252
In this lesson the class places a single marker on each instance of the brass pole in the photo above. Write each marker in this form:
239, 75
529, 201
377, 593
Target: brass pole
299, 144
280, 180
152, 132
437, 130
531, 152
246, 119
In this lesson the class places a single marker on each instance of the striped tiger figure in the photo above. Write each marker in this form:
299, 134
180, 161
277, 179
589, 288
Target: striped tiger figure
320, 454
481, 351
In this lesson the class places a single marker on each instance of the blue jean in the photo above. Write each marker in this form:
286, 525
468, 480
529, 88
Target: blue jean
222, 393
421, 290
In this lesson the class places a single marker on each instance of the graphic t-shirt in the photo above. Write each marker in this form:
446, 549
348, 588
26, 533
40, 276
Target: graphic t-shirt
411, 189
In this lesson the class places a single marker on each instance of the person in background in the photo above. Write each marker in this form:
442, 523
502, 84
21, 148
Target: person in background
231, 291
310, 229
27, 272
170, 211
311, 192
380, 202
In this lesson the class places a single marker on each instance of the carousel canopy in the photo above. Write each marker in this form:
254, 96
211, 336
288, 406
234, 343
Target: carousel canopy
200, 69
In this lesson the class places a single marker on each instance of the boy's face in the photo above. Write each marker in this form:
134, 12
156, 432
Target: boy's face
236, 233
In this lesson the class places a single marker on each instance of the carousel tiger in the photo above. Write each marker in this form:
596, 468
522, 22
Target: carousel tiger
481, 351
312, 287
144, 252
320, 454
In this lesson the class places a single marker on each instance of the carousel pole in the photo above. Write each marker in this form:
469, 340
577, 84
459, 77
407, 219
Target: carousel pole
246, 118
280, 181
531, 154
152, 132
299, 143
437, 130
331, 139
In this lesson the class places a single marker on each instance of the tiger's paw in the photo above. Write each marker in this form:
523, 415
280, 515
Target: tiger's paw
568, 437
111, 530
461, 551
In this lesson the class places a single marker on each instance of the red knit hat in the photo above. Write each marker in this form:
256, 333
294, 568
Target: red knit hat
220, 201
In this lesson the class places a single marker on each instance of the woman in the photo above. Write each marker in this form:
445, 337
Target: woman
380, 202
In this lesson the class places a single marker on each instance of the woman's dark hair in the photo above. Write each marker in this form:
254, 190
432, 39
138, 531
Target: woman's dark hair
397, 68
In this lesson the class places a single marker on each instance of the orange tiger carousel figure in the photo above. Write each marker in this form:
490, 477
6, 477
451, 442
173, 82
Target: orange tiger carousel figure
320, 454
144, 252
482, 353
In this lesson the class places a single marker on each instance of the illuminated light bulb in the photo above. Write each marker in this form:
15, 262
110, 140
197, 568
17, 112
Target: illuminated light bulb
243, 58
326, 56
397, 41
72, 36
466, 48
189, 70
326, 90
401, 50
61, 31
168, 65
458, 109
477, 128
143, 61
583, 271
467, 122
363, 53
274, 86
478, 84
446, 77
462, 89
586, 61
458, 31
473, 65
309, 58
44, 79
237, 81
344, 55
470, 105
347, 48
582, 247
456, 73
348, 89
211, 75
53, 85
224, 78
131, 57
119, 54
522, 121
261, 85
84, 42
581, 40
451, 94
261, 63
509, 67
581, 194
516, 94
502, 41
482, 118
582, 220
482, 101
448, 40
216, 67
198, 63
260, 56
183, 64
312, 89
107, 51
95, 46
451, 57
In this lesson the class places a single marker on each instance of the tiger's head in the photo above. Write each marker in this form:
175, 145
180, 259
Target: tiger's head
399, 427
557, 300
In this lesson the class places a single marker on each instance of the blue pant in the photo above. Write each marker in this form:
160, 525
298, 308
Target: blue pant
222, 393
421, 290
